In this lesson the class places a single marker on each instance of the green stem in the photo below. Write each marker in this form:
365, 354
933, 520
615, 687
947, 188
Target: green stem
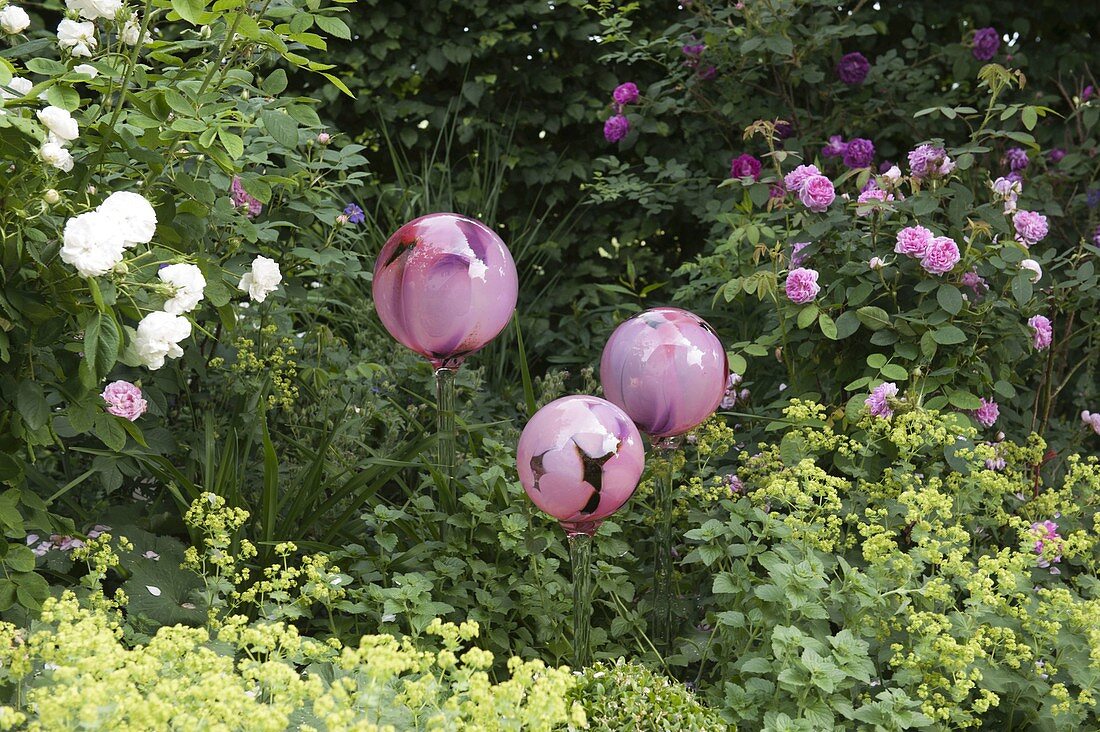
445, 446
665, 449
580, 556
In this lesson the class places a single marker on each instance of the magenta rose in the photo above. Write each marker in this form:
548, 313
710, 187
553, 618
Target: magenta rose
625, 93
124, 400
817, 193
1042, 333
941, 256
615, 128
853, 67
801, 285
745, 166
987, 413
913, 241
986, 43
1031, 227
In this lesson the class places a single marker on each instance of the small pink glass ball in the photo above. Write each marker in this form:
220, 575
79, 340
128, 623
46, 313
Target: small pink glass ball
579, 459
444, 286
667, 369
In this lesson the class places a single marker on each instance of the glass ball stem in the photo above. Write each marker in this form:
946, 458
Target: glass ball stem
665, 449
445, 433
580, 556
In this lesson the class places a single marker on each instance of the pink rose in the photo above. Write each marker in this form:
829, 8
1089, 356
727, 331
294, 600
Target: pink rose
745, 166
872, 195
913, 241
987, 413
941, 256
817, 193
798, 176
124, 400
1031, 227
1091, 419
801, 285
1042, 333
879, 400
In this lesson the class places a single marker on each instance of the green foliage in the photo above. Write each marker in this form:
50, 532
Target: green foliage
626, 695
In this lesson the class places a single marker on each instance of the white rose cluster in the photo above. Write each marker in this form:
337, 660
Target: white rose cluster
61, 129
78, 38
95, 9
94, 242
14, 19
262, 280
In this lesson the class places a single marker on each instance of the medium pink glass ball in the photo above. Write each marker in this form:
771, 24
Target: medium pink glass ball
445, 285
667, 369
579, 459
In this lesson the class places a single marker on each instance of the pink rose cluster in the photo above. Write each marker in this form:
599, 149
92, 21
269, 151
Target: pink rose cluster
878, 402
124, 400
1042, 333
1031, 227
1091, 419
801, 285
930, 161
937, 254
617, 125
815, 191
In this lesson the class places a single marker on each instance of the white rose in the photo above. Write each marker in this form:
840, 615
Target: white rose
91, 244
88, 69
93, 9
189, 284
1032, 266
131, 32
876, 263
158, 337
134, 216
14, 19
60, 123
78, 38
54, 153
262, 280
18, 84
893, 174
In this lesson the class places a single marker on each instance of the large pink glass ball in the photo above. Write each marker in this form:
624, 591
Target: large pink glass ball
445, 285
579, 459
667, 369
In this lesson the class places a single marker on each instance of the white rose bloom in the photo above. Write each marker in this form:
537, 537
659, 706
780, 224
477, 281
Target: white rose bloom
189, 284
134, 216
262, 280
93, 9
893, 174
18, 84
131, 31
60, 123
1034, 268
54, 153
158, 337
88, 69
78, 38
14, 19
91, 244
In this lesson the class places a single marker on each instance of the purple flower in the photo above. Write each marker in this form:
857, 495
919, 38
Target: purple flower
729, 398
797, 258
975, 282
798, 176
1042, 333
873, 194
735, 484
986, 43
1096, 237
615, 128
1086, 93
928, 161
706, 73
778, 190
941, 256
987, 413
694, 50
745, 166
354, 213
784, 130
1015, 159
834, 148
1091, 420
1055, 156
852, 68
1045, 532
879, 399
817, 193
124, 400
626, 93
1092, 198
859, 153
913, 241
242, 199
997, 463
1015, 177
801, 285
1031, 227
